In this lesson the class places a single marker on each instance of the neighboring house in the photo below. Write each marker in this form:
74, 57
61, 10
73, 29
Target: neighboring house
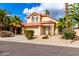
42, 24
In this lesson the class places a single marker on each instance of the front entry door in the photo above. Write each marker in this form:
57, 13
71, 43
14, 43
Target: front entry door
43, 30
48, 30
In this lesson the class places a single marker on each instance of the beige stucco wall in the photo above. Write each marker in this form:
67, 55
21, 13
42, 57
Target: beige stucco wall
52, 29
29, 20
35, 29
42, 31
48, 18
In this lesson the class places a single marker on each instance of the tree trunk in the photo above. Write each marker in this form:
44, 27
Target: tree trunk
66, 9
15, 30
78, 24
11, 29
0, 29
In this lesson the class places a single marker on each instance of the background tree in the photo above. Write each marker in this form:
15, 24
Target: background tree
69, 33
61, 25
15, 22
66, 9
9, 22
47, 12
74, 12
76, 15
3, 18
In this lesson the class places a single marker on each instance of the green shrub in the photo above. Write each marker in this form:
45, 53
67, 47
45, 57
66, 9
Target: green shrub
29, 34
69, 34
60, 30
61, 25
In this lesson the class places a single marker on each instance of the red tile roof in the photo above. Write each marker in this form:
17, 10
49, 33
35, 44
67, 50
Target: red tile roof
32, 24
39, 24
34, 13
48, 22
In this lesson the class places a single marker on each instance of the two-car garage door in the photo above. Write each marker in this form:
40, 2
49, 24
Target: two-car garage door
35, 29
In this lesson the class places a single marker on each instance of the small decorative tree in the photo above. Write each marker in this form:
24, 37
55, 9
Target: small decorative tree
69, 33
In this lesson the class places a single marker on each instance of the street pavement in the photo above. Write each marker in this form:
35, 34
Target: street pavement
28, 49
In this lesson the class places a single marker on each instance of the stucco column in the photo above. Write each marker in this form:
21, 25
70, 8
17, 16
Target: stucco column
39, 30
54, 28
22, 30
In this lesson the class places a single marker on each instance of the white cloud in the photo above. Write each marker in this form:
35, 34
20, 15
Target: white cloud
26, 10
38, 9
14, 15
55, 9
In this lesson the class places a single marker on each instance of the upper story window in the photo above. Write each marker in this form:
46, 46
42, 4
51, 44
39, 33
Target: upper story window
34, 18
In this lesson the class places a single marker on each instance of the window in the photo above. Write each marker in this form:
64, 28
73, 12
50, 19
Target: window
34, 18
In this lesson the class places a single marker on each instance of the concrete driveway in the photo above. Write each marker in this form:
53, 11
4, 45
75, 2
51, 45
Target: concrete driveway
28, 49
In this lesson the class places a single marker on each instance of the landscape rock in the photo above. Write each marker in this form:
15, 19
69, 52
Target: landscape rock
6, 34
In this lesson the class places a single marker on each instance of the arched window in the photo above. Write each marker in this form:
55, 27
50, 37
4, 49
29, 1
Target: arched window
34, 18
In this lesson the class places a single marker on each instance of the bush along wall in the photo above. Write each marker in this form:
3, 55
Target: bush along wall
69, 34
29, 34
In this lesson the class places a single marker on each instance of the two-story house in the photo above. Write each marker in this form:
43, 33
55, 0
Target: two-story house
42, 24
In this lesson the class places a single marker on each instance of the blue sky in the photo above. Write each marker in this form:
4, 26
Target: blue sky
24, 9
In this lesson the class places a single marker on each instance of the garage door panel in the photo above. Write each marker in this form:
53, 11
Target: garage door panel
35, 29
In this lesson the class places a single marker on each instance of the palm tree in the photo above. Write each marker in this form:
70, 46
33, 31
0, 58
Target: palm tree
74, 12
69, 14
66, 9
47, 12
76, 15
15, 22
3, 18
3, 12
9, 21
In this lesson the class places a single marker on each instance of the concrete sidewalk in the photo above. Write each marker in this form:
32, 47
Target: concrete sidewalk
55, 40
